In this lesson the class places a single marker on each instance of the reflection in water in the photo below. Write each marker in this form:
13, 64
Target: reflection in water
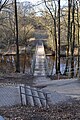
51, 61
62, 68
8, 63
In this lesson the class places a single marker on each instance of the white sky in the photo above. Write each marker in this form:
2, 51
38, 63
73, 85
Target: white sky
33, 1
37, 8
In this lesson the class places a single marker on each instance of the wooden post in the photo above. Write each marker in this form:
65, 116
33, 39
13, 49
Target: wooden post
21, 96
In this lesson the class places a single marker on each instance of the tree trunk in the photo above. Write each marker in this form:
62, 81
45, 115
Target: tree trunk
59, 36
24, 62
73, 41
55, 37
17, 44
68, 36
78, 35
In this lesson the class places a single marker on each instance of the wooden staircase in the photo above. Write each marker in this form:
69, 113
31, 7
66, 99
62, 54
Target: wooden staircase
33, 96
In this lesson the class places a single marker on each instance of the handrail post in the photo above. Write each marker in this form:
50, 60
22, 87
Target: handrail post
25, 94
46, 99
21, 96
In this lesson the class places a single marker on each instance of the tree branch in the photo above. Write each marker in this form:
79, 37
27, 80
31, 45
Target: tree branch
2, 5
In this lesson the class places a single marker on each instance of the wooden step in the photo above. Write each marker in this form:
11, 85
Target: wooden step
36, 98
42, 98
29, 97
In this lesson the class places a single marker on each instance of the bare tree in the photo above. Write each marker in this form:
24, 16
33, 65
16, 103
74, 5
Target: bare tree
3, 3
54, 22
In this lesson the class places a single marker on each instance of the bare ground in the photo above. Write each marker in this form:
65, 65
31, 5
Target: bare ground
64, 111
17, 78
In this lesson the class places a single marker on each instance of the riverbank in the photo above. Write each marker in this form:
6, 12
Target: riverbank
17, 78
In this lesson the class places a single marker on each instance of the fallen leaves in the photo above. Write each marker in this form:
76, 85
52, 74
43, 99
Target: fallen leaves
62, 111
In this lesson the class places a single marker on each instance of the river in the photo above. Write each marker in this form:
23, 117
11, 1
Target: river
52, 65
8, 63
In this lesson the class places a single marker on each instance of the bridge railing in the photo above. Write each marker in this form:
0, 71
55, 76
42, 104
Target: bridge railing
46, 66
33, 61
33, 64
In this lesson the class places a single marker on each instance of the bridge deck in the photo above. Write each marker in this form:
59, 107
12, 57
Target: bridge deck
40, 67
